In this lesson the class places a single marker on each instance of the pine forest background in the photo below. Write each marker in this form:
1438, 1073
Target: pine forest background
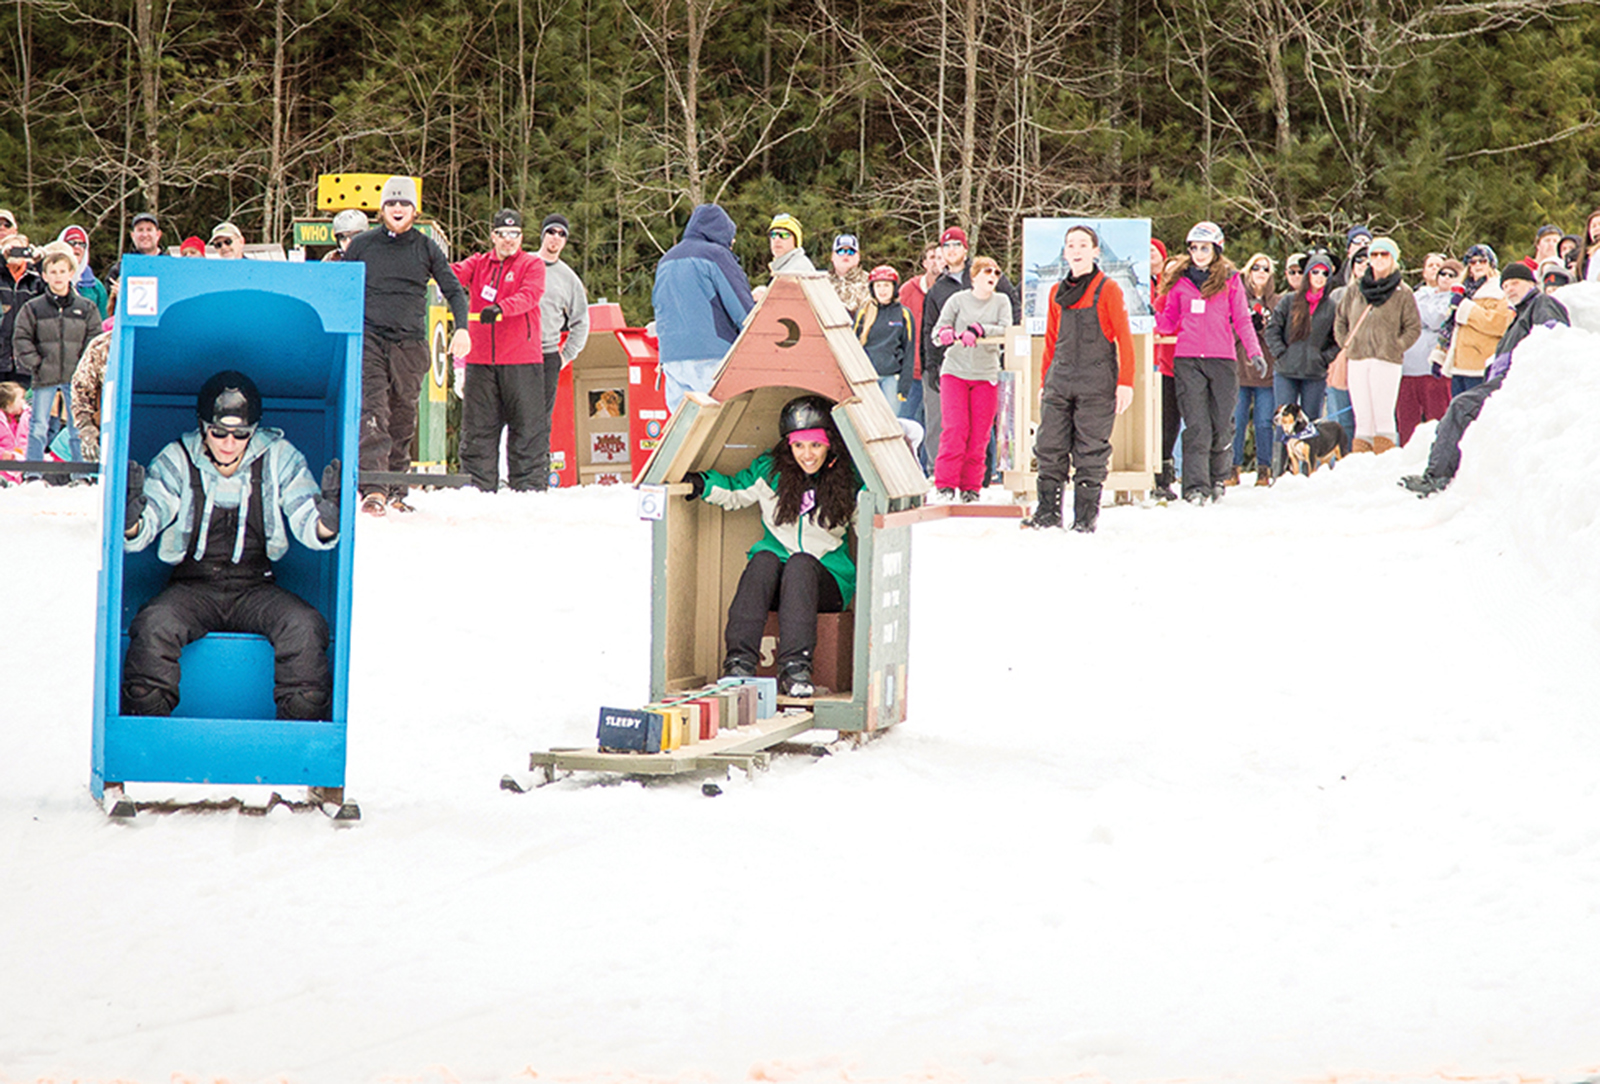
1443, 122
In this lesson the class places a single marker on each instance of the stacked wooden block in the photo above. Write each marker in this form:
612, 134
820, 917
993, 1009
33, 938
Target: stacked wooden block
688, 718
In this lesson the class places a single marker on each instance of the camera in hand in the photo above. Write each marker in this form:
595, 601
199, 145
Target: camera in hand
18, 252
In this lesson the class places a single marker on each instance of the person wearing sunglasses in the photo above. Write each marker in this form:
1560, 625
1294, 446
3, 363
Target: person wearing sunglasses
400, 260
1300, 336
221, 504
503, 379
1376, 323
846, 276
1424, 391
347, 226
701, 298
88, 287
1256, 400
1479, 316
228, 241
563, 320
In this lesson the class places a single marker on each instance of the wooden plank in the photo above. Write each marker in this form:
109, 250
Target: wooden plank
728, 743
824, 299
948, 511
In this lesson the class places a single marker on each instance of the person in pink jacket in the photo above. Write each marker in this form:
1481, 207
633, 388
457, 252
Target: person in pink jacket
505, 378
14, 419
1207, 316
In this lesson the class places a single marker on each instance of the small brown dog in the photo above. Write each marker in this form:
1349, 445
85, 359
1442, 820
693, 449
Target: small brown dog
1309, 444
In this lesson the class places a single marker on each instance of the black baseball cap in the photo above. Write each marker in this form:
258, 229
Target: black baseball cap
144, 216
506, 219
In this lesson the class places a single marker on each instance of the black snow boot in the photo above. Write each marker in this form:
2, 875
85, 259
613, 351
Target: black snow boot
1164, 479
795, 679
1047, 513
1085, 507
739, 664
1425, 485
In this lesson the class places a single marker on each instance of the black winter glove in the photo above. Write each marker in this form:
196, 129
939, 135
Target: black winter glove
697, 485
489, 314
136, 500
328, 503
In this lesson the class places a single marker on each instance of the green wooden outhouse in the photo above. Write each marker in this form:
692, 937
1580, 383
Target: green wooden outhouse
798, 340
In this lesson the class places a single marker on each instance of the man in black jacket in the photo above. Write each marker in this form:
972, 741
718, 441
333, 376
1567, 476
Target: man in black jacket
19, 284
145, 233
394, 353
957, 277
1533, 309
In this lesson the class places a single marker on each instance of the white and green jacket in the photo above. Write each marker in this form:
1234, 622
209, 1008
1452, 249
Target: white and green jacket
758, 484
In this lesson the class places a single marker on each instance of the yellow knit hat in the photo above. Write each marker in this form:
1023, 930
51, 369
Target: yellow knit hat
786, 221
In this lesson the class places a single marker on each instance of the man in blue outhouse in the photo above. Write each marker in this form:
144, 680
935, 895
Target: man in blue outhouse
219, 499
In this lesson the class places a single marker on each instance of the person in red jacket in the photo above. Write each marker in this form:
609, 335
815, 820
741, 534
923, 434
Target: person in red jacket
1087, 379
505, 386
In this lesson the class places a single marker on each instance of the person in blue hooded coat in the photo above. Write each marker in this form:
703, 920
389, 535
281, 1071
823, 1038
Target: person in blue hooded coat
701, 298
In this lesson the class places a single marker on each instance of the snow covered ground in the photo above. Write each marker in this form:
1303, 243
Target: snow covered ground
1297, 787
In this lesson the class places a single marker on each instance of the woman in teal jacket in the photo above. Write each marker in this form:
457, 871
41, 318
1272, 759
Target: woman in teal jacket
806, 488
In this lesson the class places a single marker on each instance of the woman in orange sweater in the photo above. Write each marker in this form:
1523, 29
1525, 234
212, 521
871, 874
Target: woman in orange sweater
1088, 381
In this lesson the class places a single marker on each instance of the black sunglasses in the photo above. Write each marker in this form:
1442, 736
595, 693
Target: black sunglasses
557, 230
1260, 267
237, 432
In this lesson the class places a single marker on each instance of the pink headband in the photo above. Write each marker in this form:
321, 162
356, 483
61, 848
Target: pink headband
820, 436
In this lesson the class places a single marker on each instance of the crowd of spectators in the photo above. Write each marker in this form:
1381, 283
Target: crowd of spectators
1342, 336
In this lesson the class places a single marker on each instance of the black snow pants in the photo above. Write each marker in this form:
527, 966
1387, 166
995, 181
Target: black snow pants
510, 398
302, 686
1079, 405
1444, 458
799, 589
1208, 391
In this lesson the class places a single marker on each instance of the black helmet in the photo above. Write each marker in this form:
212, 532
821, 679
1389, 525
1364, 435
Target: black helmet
229, 398
806, 412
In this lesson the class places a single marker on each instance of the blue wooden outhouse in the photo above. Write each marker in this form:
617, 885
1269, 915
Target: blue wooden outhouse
295, 329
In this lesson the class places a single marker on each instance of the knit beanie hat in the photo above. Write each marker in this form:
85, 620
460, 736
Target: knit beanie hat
785, 221
399, 189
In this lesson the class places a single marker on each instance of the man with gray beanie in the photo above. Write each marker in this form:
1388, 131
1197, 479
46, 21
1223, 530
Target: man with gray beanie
563, 309
394, 351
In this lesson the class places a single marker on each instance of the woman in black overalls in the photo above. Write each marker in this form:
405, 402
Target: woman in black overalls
1088, 381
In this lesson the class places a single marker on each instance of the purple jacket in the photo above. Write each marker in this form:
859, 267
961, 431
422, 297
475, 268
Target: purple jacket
1210, 333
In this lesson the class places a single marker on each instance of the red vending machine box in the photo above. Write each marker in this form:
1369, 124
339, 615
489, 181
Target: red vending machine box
647, 399
593, 435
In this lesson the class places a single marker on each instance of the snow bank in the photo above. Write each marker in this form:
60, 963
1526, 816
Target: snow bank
1528, 463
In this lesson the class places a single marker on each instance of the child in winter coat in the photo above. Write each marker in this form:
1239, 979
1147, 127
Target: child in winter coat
884, 327
806, 489
51, 332
970, 380
14, 419
1207, 311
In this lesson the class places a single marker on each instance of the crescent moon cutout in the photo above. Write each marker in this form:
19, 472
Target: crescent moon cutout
794, 333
